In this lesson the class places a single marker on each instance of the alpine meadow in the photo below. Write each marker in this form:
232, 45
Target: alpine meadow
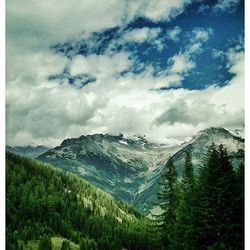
125, 125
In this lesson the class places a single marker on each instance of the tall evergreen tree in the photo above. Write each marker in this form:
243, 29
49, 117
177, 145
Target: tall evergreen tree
168, 202
188, 176
226, 201
183, 228
214, 214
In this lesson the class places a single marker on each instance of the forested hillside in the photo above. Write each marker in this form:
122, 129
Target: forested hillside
42, 201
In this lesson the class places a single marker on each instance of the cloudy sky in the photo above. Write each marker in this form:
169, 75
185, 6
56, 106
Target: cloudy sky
154, 67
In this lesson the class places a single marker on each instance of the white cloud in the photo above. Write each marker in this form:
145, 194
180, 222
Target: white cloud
214, 106
197, 37
231, 96
181, 64
45, 112
32, 68
225, 5
217, 53
47, 115
200, 34
174, 34
40, 23
188, 111
150, 35
34, 25
44, 115
100, 66
141, 35
138, 35
194, 48
158, 10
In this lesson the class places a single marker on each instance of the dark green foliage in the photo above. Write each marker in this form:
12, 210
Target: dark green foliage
42, 200
45, 243
214, 214
88, 244
65, 245
188, 175
239, 207
168, 203
210, 207
183, 227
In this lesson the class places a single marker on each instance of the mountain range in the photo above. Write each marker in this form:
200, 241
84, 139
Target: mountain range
130, 167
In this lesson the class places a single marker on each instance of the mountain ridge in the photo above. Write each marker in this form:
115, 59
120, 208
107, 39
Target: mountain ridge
130, 168
30, 151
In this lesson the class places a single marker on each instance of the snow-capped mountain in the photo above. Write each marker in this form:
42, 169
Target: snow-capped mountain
129, 167
200, 143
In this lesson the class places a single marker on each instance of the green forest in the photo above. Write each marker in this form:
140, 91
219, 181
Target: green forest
203, 211
43, 202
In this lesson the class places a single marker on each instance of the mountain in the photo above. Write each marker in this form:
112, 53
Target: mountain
126, 167
199, 144
129, 168
45, 201
29, 151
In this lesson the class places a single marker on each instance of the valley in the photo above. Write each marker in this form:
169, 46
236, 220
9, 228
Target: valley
129, 168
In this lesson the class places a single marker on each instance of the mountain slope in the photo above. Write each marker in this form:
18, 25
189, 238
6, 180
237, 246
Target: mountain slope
122, 166
41, 199
200, 143
29, 151
130, 168
198, 146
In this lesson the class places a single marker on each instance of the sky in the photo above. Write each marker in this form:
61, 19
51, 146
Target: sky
164, 69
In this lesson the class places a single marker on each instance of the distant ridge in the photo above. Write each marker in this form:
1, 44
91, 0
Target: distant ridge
30, 151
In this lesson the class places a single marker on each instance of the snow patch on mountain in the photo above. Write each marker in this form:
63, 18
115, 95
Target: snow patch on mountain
123, 142
239, 132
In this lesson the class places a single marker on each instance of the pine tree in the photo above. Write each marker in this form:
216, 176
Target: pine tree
214, 214
183, 229
226, 201
188, 176
205, 211
168, 202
